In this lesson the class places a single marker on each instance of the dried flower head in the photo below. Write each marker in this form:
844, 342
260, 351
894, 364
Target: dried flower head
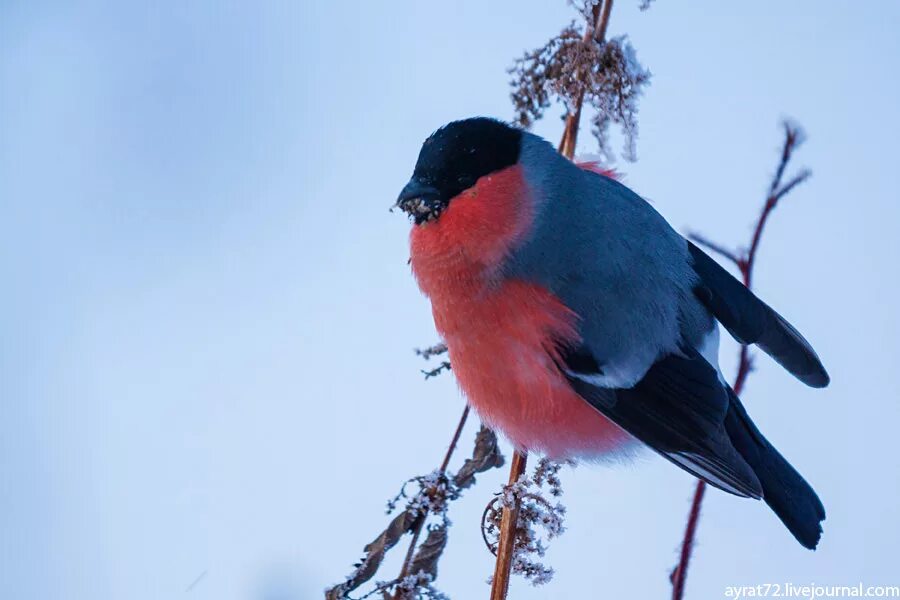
575, 68
614, 95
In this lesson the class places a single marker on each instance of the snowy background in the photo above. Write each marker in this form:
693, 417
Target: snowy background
207, 317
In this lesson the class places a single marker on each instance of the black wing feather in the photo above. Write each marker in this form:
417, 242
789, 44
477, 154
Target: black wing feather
683, 411
751, 321
679, 410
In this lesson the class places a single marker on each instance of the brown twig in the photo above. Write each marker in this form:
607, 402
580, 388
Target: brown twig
417, 528
453, 442
436, 491
679, 573
600, 16
744, 260
506, 546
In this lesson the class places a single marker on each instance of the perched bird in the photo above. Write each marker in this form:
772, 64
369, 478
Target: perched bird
579, 323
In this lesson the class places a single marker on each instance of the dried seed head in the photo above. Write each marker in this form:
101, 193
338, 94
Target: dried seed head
573, 68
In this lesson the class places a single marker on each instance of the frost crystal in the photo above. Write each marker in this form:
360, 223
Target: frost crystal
539, 520
414, 587
435, 491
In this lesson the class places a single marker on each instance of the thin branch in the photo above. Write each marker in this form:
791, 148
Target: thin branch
793, 137
797, 180
601, 25
407, 560
745, 367
429, 373
432, 351
679, 574
436, 490
417, 528
455, 441
573, 119
745, 262
506, 547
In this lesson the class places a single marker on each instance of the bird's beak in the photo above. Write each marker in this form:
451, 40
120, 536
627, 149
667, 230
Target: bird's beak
421, 201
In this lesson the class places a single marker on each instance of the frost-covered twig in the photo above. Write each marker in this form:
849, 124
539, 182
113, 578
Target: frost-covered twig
431, 500
744, 260
509, 516
429, 353
429, 373
520, 548
432, 351
374, 554
450, 492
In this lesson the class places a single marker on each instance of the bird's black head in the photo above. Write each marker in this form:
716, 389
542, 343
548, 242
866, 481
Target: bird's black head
452, 159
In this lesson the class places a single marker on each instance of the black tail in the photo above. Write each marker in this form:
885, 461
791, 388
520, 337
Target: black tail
784, 490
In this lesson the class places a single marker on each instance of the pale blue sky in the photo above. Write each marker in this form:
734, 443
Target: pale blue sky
208, 317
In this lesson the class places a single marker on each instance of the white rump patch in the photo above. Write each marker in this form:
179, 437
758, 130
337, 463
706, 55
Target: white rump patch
709, 349
615, 376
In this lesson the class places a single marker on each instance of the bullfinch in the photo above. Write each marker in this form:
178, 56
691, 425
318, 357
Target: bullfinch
580, 323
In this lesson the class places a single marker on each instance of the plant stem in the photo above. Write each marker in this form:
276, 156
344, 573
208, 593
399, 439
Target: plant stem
679, 575
453, 442
596, 29
506, 547
417, 528
745, 263
600, 20
601, 25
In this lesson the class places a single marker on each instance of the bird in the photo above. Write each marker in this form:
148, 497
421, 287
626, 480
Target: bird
581, 325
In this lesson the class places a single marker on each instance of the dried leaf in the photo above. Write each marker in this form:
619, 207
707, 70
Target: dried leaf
375, 551
485, 456
428, 554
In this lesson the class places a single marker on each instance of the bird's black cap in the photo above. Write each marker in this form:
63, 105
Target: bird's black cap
453, 158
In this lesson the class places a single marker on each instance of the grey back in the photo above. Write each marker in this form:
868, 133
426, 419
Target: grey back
613, 259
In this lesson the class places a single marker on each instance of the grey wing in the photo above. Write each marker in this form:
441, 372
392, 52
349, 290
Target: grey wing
614, 261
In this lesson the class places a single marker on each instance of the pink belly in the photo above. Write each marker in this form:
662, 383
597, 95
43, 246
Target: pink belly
502, 347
